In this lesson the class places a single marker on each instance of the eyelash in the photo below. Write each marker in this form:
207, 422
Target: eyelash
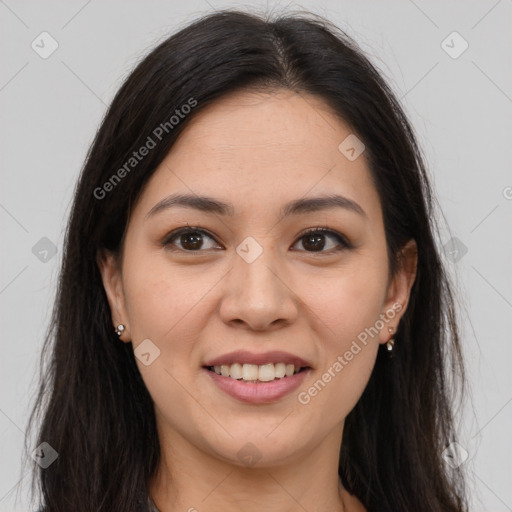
344, 244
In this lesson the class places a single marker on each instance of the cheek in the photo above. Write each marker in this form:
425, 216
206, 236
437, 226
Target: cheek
153, 306
161, 298
347, 305
166, 306
338, 386
346, 301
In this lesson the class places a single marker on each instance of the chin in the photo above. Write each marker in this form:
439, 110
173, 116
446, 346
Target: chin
260, 449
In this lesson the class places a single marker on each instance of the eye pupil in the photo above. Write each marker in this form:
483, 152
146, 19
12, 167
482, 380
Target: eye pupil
317, 242
191, 240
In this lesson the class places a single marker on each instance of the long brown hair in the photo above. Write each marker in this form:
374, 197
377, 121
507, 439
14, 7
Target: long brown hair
94, 408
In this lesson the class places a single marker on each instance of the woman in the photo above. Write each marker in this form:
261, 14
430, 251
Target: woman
252, 310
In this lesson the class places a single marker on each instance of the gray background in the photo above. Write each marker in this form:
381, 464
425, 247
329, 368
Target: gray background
461, 109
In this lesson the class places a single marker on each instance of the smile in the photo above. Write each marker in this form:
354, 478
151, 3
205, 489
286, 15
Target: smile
256, 391
256, 373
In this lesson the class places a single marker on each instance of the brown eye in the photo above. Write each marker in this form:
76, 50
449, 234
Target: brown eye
315, 241
195, 240
188, 240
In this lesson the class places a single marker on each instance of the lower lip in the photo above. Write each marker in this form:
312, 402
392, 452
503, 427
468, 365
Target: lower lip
259, 392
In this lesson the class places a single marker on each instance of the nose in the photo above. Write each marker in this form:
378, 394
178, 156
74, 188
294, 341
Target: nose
257, 295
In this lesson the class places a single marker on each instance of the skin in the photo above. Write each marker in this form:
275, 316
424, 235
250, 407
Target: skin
257, 151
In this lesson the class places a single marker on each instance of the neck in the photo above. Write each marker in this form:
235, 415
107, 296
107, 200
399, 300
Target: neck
193, 480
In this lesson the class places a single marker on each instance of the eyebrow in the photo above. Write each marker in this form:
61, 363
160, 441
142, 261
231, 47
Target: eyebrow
214, 206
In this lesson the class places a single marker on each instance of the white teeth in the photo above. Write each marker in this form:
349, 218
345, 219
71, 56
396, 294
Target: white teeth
235, 371
250, 372
253, 372
266, 372
280, 370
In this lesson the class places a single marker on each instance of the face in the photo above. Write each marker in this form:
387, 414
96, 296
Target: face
258, 276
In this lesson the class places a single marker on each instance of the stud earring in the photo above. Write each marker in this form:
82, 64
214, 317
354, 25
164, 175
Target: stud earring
120, 329
391, 342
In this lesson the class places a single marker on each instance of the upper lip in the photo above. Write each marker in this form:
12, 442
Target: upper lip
245, 357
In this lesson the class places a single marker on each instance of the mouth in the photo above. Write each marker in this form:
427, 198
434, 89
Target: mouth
257, 373
257, 378
249, 389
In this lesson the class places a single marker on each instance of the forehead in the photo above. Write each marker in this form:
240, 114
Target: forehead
256, 148
279, 126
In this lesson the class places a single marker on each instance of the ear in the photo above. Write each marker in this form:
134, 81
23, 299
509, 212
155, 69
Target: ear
113, 283
399, 289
